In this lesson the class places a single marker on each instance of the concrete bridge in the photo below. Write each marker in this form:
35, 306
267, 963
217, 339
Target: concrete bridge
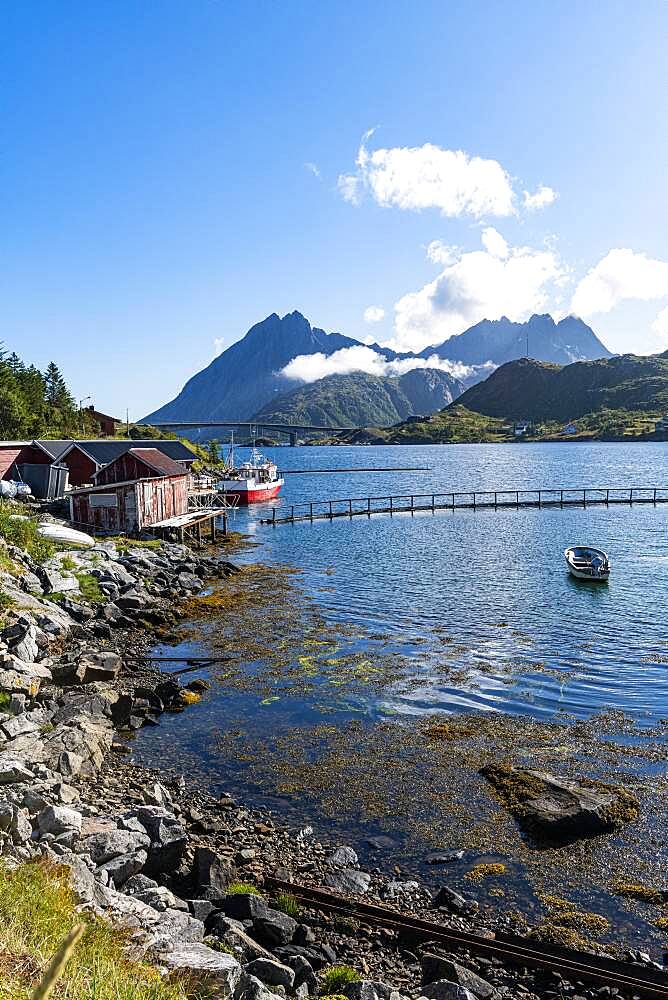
254, 427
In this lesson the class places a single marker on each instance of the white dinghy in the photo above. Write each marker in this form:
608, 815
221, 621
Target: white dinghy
587, 563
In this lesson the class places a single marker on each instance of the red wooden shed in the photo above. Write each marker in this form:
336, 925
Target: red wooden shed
138, 489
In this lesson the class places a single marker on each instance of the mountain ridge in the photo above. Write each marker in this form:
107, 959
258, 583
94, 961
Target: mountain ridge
498, 337
248, 376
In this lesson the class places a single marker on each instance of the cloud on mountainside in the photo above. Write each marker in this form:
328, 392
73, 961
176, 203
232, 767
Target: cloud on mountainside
621, 274
311, 367
660, 325
497, 281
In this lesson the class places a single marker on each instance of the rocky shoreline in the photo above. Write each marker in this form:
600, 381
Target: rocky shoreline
145, 848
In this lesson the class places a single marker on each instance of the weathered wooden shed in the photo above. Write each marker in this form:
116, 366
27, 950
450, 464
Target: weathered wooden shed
138, 489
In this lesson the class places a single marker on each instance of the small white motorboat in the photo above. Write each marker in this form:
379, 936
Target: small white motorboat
587, 563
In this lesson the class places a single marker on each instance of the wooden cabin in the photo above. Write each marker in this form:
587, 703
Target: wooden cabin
138, 489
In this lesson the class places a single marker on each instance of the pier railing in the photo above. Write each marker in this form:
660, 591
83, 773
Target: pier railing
500, 499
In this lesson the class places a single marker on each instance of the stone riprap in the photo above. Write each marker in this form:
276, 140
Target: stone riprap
152, 852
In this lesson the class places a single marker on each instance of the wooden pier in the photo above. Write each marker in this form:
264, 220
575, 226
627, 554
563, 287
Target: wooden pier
414, 503
189, 527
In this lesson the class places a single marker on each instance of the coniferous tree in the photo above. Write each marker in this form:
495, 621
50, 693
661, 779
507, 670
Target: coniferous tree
33, 404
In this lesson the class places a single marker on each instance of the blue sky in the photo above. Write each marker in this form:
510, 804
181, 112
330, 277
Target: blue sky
156, 201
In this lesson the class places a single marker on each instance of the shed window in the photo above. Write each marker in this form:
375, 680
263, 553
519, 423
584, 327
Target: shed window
103, 500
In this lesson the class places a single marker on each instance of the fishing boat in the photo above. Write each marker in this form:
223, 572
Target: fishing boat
252, 481
587, 563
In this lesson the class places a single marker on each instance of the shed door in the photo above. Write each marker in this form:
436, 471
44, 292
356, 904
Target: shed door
130, 510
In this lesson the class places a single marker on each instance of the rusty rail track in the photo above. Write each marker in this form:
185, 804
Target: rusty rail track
508, 948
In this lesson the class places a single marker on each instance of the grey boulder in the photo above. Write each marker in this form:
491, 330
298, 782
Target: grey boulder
348, 880
59, 819
273, 973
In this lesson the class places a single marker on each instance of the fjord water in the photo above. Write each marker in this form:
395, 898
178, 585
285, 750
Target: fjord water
486, 591
495, 580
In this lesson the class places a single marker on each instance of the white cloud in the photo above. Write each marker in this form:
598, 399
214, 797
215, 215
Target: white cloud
429, 176
348, 185
621, 274
482, 284
219, 345
311, 367
314, 169
374, 314
660, 325
440, 253
494, 243
540, 198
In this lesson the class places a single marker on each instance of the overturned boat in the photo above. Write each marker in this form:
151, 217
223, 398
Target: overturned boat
587, 563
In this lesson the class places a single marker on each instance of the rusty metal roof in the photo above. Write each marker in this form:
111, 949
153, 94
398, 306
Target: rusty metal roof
158, 461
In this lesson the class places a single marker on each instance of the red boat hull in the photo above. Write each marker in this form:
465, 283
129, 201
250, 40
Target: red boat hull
255, 495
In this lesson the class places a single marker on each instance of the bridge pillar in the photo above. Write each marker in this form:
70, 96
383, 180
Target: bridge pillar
293, 439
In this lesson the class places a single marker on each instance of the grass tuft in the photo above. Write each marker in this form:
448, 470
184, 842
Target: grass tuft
243, 889
37, 910
90, 588
337, 977
22, 532
287, 903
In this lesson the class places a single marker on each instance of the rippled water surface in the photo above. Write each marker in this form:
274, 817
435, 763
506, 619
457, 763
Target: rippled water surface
480, 614
495, 580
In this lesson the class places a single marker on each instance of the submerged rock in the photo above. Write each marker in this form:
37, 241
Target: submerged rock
561, 808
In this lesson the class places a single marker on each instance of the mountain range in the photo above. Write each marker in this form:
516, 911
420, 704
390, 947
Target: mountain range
501, 340
247, 380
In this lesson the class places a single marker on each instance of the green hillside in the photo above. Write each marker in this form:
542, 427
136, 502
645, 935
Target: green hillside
361, 400
611, 399
534, 390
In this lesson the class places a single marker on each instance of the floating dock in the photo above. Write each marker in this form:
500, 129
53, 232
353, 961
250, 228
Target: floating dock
502, 499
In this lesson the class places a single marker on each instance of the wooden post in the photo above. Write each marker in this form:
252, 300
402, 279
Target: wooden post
368, 506
391, 505
562, 498
199, 534
350, 507
453, 501
655, 496
495, 503
517, 499
293, 513
311, 511
411, 502
433, 501
330, 510
273, 516
607, 497
474, 499
584, 498
225, 522
539, 498
631, 496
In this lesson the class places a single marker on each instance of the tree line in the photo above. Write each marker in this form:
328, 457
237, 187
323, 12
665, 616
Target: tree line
36, 404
